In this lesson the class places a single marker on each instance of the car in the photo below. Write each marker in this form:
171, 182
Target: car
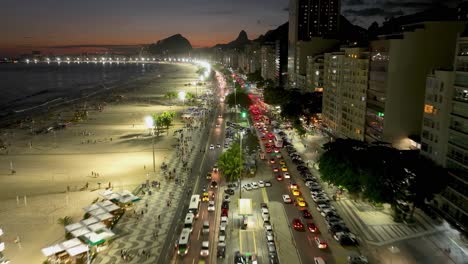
268, 229
229, 191
263, 138
357, 259
215, 168
225, 205
293, 185
297, 224
221, 252
286, 175
295, 192
272, 161
320, 198
345, 238
218, 125
267, 183
226, 145
276, 150
321, 244
282, 162
211, 147
205, 249
312, 227
269, 238
322, 206
224, 220
265, 211
227, 198
263, 205
286, 198
331, 214
206, 227
306, 214
261, 184
214, 185
222, 239
205, 197
302, 168
310, 182
284, 168
300, 202
211, 206
279, 177
319, 260
248, 187
325, 211
268, 150
220, 116
232, 185
208, 175
275, 169
339, 227
254, 185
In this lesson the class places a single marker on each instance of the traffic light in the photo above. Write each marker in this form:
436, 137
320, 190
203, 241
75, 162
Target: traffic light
243, 114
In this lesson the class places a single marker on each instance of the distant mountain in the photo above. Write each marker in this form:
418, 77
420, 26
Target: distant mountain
279, 33
350, 33
238, 43
395, 24
172, 45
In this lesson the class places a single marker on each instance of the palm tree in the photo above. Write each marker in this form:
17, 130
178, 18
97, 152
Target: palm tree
66, 220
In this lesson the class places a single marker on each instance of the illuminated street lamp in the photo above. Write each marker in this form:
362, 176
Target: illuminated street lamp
182, 96
149, 121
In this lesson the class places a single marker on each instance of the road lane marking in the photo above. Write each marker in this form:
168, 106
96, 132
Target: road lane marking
193, 261
264, 195
199, 232
255, 244
240, 241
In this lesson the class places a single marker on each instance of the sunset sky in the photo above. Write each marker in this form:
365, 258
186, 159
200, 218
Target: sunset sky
64, 25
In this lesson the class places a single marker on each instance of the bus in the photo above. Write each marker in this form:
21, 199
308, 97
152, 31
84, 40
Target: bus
183, 242
188, 221
194, 205
278, 141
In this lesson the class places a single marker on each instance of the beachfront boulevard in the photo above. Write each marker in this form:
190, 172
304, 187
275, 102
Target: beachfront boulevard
104, 149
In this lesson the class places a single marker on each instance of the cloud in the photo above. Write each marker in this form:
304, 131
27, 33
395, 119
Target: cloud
373, 11
354, 2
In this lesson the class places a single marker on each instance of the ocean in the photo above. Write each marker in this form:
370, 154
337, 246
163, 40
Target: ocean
29, 87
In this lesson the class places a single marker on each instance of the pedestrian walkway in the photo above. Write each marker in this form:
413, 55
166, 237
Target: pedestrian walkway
375, 226
146, 229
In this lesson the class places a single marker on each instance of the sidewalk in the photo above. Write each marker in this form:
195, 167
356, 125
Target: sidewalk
147, 232
374, 226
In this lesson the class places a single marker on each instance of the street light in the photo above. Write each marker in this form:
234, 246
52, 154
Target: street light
182, 96
241, 165
150, 125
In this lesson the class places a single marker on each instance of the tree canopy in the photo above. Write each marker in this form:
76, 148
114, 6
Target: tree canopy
231, 162
240, 97
380, 173
255, 77
163, 120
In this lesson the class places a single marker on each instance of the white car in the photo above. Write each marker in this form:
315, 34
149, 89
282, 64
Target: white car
286, 175
321, 207
286, 198
211, 147
211, 206
248, 187
261, 184
254, 185
205, 249
265, 211
218, 145
267, 183
206, 227
222, 241
269, 238
325, 211
227, 198
224, 220
218, 125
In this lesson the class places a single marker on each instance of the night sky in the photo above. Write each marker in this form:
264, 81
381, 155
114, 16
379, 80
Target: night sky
64, 26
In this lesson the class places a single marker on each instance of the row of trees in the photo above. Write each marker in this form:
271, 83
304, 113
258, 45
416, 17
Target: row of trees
381, 174
163, 120
240, 97
231, 162
173, 95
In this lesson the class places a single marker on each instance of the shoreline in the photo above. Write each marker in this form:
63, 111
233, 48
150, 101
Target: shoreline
114, 143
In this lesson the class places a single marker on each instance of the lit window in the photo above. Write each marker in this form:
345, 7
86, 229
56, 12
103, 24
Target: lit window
428, 109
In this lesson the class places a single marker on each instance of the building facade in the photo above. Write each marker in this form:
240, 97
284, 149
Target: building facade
268, 62
315, 73
399, 65
344, 92
308, 19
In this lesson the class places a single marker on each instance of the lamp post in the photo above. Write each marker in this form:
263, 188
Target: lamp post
241, 165
182, 96
150, 125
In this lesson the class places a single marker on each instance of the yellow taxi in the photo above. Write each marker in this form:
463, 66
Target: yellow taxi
282, 162
295, 192
300, 202
284, 168
205, 197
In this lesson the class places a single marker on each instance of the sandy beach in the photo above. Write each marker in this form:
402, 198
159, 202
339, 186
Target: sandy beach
52, 169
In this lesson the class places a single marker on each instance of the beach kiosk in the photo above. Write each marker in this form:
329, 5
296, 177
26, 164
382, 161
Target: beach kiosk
72, 251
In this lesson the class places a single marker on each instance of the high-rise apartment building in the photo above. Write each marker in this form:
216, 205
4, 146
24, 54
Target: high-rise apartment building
308, 19
444, 136
399, 64
267, 60
344, 92
315, 73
